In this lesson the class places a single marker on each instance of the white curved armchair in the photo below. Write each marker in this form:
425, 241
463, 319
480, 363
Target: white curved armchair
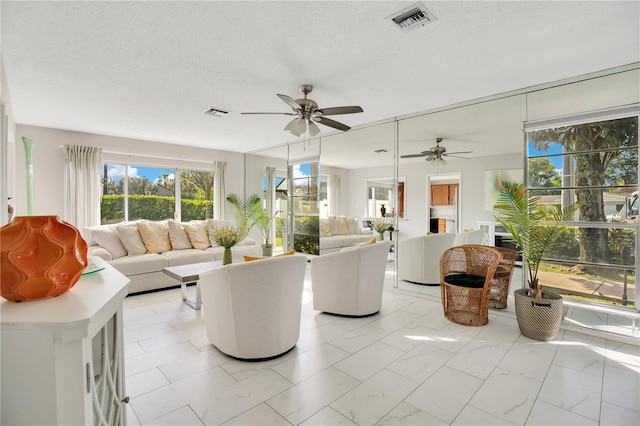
252, 309
350, 282
419, 257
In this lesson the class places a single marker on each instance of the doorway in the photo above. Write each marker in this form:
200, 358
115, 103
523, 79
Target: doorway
444, 195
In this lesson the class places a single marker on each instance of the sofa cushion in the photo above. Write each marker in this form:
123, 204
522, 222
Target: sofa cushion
197, 232
131, 239
188, 256
178, 236
341, 226
352, 226
155, 236
108, 238
141, 264
465, 280
325, 227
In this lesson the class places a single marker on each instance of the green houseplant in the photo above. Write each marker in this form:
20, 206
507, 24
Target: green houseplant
246, 210
265, 223
534, 229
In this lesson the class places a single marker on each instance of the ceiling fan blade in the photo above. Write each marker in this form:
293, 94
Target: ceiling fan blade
455, 156
290, 101
278, 113
313, 128
340, 110
332, 123
458, 152
422, 154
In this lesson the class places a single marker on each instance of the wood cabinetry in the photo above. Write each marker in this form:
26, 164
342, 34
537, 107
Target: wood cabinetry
443, 195
62, 358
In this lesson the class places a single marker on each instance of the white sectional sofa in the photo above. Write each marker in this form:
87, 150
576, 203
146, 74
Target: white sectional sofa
140, 250
337, 232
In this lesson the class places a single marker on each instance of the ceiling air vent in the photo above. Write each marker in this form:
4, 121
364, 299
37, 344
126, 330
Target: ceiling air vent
412, 17
215, 112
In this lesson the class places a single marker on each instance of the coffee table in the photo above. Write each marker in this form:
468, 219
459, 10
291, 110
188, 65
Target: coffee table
189, 274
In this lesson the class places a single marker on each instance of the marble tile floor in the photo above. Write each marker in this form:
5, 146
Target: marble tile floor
406, 365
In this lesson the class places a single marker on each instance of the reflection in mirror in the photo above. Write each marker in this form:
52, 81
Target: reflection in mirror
266, 175
304, 175
383, 199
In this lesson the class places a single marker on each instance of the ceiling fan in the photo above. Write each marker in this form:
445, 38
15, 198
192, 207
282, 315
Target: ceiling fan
308, 114
436, 153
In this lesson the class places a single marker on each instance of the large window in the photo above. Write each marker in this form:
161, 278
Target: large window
594, 163
131, 192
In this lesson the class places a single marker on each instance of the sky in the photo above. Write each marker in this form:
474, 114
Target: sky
116, 172
554, 148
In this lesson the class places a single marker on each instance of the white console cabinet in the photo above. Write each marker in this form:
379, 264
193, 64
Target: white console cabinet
62, 358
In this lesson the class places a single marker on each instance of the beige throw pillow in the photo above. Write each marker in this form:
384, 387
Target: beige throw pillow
108, 238
351, 225
131, 240
178, 236
341, 226
325, 228
197, 232
155, 236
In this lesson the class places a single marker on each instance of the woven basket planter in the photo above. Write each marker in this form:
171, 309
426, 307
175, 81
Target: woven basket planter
538, 319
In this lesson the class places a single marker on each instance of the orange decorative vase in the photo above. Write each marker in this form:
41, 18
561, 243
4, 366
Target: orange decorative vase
40, 256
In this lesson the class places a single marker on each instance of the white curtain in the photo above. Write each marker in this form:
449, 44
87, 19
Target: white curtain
82, 185
270, 201
335, 194
219, 190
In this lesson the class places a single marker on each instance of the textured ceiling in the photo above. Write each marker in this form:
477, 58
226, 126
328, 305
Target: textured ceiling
148, 70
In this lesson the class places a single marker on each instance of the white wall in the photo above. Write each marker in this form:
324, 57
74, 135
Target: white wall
48, 160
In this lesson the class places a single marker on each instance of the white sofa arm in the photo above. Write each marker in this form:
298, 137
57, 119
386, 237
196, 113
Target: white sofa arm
99, 252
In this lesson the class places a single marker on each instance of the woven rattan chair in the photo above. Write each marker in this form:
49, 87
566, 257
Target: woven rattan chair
502, 278
466, 275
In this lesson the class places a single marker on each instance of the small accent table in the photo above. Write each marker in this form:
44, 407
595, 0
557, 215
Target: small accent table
189, 274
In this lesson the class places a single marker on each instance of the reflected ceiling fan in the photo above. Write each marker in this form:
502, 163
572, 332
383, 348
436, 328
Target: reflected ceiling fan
436, 154
308, 114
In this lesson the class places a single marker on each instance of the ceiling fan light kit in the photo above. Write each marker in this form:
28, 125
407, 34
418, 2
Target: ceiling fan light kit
308, 114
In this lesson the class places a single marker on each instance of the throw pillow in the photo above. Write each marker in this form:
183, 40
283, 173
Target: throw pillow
155, 236
332, 222
325, 228
286, 253
351, 225
107, 237
368, 243
178, 236
197, 232
341, 226
131, 240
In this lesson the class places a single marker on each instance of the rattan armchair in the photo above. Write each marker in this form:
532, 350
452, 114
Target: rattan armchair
502, 278
466, 276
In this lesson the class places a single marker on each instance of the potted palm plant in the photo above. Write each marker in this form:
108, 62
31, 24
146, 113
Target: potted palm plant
246, 210
534, 229
265, 223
